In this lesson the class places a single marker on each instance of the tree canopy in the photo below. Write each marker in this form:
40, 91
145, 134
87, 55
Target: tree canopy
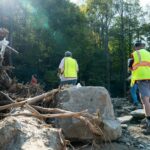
100, 34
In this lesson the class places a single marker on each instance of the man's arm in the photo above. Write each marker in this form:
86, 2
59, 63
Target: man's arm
130, 62
61, 67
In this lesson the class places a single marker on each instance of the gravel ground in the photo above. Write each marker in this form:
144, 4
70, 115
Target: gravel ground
132, 137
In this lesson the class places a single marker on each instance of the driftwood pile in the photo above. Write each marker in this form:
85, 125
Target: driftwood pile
41, 112
41, 105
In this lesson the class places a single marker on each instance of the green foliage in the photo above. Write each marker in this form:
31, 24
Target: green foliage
99, 34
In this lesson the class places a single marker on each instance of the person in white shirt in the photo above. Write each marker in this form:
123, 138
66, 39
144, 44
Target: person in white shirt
68, 70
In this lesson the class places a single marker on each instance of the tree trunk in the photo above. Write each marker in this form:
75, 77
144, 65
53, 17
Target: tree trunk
123, 51
107, 58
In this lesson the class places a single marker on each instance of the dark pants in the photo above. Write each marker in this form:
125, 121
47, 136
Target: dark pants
69, 82
144, 87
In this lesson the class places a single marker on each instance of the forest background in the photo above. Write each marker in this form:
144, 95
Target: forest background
100, 34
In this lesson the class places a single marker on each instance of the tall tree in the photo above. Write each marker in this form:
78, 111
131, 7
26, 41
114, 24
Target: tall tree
100, 14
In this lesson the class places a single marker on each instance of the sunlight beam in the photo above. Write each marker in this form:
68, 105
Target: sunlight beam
78, 2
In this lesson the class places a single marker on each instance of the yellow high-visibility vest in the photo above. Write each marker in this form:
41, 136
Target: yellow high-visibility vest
141, 66
70, 67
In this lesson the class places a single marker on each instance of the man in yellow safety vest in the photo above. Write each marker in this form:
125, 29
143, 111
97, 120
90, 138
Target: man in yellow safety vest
68, 70
140, 68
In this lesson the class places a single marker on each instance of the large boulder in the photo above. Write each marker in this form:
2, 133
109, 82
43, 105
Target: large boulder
94, 99
27, 133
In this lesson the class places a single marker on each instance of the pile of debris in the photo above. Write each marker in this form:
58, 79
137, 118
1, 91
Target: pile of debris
34, 119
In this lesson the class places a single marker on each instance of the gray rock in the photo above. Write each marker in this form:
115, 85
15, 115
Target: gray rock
141, 146
139, 113
27, 133
93, 99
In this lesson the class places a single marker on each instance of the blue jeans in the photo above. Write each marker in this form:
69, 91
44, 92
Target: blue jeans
72, 82
133, 92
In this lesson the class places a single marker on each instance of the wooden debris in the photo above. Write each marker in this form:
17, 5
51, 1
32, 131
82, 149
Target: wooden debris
94, 128
31, 104
7, 96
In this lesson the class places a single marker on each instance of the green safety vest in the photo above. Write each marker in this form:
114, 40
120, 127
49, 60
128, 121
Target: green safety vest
141, 66
70, 67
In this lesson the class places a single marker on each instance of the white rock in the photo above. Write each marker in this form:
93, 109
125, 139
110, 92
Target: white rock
125, 119
138, 113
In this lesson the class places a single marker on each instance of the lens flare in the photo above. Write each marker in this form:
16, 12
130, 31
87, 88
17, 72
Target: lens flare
39, 18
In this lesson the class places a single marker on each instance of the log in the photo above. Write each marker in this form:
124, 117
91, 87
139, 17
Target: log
45, 116
36, 99
12, 105
50, 110
32, 100
30, 108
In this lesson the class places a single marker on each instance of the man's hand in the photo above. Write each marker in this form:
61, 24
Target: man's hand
130, 63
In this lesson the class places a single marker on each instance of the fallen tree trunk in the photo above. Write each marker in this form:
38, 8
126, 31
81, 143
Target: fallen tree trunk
45, 96
33, 100
50, 110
